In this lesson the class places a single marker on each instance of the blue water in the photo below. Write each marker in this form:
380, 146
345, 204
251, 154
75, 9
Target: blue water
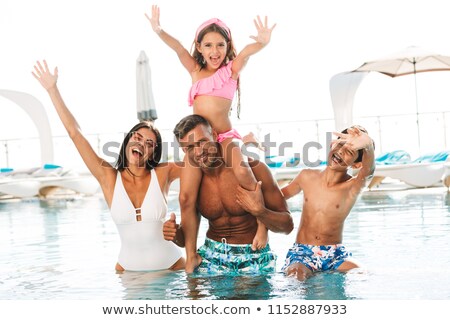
67, 249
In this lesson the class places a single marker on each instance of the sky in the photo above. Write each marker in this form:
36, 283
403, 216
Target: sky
95, 44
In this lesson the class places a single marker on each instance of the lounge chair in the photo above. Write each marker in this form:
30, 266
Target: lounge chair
4, 172
283, 168
424, 171
16, 183
446, 176
282, 161
288, 168
81, 183
395, 157
45, 180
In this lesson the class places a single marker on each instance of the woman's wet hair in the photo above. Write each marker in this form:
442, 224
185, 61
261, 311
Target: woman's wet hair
153, 161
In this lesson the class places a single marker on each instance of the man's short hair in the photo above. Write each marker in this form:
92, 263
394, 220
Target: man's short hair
187, 124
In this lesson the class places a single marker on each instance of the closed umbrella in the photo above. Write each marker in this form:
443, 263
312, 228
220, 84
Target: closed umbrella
145, 101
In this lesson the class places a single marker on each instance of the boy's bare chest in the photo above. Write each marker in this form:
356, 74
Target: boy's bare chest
326, 200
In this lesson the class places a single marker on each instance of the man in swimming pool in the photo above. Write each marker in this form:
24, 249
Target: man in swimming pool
328, 197
232, 211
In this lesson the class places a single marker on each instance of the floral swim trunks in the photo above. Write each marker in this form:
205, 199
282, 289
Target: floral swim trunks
221, 257
317, 258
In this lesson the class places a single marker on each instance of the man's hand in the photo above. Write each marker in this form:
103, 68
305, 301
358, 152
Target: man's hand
251, 201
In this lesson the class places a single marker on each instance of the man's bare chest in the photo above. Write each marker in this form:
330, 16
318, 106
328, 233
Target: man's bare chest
217, 197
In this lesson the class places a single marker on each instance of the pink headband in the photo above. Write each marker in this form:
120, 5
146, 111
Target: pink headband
209, 22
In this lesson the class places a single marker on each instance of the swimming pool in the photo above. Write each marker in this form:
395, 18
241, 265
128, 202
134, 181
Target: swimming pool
67, 249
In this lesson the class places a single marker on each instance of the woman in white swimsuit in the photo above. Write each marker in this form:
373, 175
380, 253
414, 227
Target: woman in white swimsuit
135, 190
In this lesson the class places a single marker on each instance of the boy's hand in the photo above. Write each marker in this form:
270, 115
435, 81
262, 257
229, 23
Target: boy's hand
354, 139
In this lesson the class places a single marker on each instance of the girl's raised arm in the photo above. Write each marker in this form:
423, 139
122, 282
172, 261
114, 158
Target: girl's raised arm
262, 39
96, 165
185, 58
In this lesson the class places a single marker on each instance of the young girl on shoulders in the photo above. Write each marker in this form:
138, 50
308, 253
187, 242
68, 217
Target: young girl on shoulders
214, 68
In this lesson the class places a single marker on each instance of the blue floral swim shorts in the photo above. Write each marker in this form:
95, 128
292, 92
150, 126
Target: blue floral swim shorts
317, 258
221, 257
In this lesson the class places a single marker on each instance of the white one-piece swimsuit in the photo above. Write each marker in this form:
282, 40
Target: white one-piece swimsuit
143, 246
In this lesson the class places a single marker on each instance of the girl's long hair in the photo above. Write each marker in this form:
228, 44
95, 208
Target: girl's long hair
231, 54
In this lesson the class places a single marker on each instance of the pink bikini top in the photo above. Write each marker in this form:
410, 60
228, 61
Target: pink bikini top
220, 84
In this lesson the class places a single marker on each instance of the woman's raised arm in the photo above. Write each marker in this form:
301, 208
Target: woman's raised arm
99, 168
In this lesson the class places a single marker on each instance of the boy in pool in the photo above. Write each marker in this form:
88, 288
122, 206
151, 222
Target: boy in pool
328, 197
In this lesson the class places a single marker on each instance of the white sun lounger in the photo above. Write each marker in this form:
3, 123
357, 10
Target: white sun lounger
42, 181
446, 176
80, 183
425, 171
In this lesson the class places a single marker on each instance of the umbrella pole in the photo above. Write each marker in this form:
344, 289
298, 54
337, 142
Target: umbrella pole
417, 104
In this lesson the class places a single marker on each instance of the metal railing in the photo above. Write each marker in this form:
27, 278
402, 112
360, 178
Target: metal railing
391, 132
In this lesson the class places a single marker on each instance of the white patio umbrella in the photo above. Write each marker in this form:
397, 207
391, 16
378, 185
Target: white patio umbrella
412, 60
145, 101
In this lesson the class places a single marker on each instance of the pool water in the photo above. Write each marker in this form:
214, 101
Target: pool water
67, 249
